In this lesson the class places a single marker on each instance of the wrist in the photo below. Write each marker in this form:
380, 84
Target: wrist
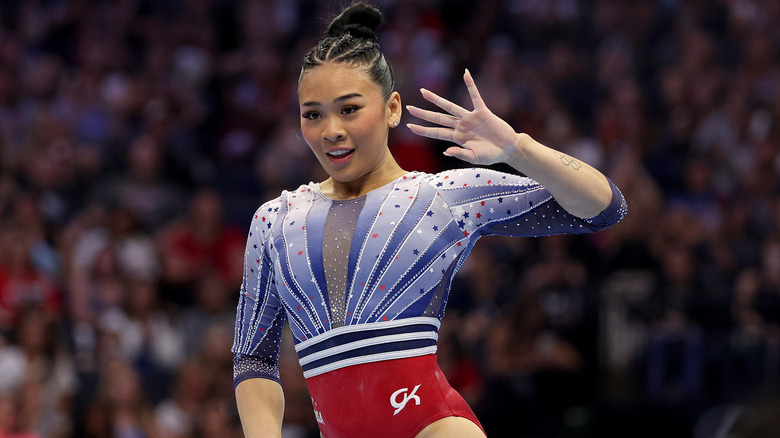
518, 150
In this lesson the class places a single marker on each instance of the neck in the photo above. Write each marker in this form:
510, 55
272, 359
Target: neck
343, 190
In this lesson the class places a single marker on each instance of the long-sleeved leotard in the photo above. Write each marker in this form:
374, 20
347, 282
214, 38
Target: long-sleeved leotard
366, 280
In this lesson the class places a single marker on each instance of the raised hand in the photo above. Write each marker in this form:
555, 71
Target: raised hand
483, 137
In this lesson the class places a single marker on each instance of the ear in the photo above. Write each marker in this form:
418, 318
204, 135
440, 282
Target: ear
393, 110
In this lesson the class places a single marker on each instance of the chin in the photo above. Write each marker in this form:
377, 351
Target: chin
346, 174
345, 177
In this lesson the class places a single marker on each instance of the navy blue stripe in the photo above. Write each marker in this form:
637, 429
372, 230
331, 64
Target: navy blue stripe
371, 349
364, 334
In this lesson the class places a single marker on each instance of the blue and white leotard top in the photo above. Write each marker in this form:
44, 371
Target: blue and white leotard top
366, 280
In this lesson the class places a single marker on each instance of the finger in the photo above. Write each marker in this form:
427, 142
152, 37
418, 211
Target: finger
443, 103
476, 98
433, 117
464, 154
445, 134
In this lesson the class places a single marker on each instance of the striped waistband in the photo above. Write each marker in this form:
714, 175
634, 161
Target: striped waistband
363, 343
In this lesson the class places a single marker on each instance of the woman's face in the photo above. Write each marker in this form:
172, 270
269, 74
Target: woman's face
345, 121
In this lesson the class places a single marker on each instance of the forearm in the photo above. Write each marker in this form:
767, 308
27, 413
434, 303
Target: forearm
260, 407
579, 188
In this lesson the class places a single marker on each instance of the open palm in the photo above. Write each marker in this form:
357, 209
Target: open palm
483, 137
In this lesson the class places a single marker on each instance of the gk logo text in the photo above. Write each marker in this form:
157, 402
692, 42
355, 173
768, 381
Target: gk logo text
407, 397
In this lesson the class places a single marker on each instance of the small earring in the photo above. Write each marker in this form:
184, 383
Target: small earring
395, 123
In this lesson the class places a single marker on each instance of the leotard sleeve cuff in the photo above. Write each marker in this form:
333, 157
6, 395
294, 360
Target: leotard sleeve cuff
251, 367
614, 212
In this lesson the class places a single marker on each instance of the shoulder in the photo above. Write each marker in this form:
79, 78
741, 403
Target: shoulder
273, 206
304, 192
268, 208
267, 213
264, 217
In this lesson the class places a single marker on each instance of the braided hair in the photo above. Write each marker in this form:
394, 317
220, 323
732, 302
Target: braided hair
351, 39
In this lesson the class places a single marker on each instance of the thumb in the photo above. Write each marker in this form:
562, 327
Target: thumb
460, 153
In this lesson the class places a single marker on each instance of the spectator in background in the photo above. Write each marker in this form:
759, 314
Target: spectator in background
177, 415
532, 373
12, 424
148, 337
213, 307
143, 189
21, 284
40, 375
198, 244
129, 410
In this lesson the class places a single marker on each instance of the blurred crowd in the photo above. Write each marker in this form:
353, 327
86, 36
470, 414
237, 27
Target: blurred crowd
138, 136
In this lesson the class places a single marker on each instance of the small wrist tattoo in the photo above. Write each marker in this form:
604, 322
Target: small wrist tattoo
568, 161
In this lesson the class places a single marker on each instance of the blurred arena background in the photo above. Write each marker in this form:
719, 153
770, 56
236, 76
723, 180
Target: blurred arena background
137, 137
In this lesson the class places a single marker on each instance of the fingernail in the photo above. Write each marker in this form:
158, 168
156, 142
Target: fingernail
446, 154
422, 89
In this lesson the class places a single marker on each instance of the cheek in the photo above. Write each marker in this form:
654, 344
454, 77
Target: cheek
372, 127
309, 134
360, 133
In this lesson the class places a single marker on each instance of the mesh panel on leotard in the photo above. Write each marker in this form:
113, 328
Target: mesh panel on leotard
336, 243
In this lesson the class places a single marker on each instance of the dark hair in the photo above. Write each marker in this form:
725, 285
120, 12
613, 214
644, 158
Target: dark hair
351, 39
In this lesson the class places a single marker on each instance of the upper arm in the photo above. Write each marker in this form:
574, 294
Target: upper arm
261, 407
260, 315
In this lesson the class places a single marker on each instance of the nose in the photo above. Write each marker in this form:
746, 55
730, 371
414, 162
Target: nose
333, 131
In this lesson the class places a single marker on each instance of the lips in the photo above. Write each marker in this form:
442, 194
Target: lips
339, 155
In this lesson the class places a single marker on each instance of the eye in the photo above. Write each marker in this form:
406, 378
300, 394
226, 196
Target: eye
311, 115
349, 109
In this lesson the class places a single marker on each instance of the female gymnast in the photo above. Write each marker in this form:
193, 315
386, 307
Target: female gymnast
360, 264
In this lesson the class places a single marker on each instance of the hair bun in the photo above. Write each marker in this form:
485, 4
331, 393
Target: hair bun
359, 20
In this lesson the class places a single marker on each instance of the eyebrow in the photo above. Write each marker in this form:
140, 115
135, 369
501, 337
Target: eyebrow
338, 99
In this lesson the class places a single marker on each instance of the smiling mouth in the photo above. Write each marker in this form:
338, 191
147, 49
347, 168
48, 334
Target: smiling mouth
340, 153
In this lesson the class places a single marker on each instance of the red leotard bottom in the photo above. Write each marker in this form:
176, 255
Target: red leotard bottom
394, 398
